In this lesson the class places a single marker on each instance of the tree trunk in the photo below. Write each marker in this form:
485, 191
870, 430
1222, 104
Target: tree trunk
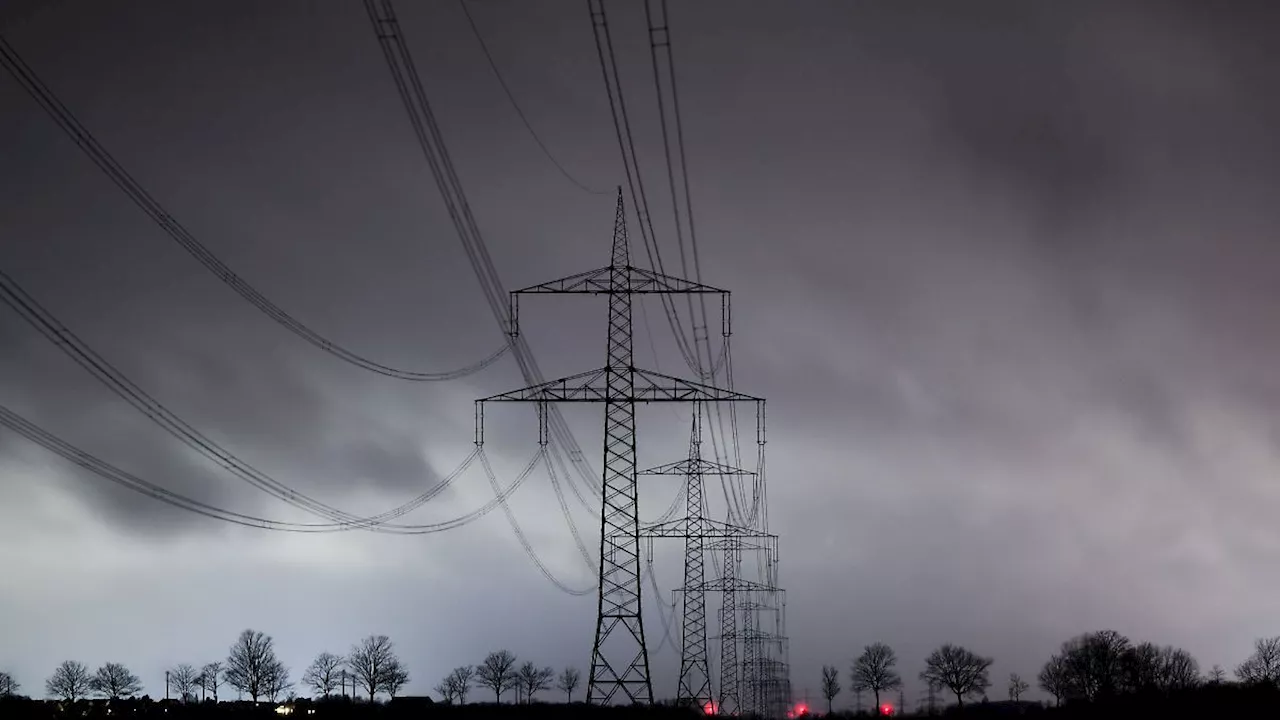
959, 699
876, 710
828, 706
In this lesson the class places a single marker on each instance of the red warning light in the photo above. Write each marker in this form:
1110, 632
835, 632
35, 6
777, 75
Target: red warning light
801, 709
710, 708
886, 709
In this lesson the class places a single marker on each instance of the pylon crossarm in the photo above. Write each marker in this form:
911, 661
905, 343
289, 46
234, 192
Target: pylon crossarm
671, 528
600, 282
584, 387
694, 467
648, 281
731, 584
711, 530
592, 386
731, 536
656, 387
719, 529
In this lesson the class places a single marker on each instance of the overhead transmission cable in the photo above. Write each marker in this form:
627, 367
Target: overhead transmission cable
68, 342
408, 84
35, 87
475, 30
524, 541
53, 443
626, 145
660, 46
660, 39
31, 311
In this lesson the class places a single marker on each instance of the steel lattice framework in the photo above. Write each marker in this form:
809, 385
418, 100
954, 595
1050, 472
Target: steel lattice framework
619, 658
694, 684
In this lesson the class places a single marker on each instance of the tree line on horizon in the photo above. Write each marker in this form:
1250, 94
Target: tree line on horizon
1087, 668
1090, 667
498, 672
251, 668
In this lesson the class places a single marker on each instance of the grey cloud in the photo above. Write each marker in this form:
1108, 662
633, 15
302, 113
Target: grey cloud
1005, 274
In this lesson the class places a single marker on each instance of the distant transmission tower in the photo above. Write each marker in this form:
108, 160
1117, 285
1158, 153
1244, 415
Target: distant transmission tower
619, 658
694, 684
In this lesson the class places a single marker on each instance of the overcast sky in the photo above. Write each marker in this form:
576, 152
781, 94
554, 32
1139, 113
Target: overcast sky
1005, 272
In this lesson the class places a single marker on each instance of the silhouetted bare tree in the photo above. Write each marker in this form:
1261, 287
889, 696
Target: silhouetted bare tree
533, 679
1217, 675
8, 686
460, 681
252, 666
1263, 666
374, 664
1017, 686
873, 670
1178, 670
70, 681
322, 675
396, 679
1055, 678
568, 682
185, 681
114, 681
1140, 667
211, 678
958, 669
1095, 664
277, 681
830, 684
456, 684
496, 672
444, 691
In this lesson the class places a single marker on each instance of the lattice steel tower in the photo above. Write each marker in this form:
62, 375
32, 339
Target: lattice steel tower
619, 658
698, 531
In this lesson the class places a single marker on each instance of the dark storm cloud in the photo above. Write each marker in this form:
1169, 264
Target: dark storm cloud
1004, 271
263, 409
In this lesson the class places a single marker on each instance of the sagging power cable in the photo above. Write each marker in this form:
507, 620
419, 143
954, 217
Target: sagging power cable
524, 541
36, 88
69, 343
493, 65
102, 468
404, 74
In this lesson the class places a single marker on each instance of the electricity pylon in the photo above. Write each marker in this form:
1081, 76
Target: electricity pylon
619, 658
694, 684
736, 606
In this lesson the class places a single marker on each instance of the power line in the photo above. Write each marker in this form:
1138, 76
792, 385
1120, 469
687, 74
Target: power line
129, 481
55, 444
60, 335
35, 87
656, 16
524, 541
417, 106
626, 146
475, 30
